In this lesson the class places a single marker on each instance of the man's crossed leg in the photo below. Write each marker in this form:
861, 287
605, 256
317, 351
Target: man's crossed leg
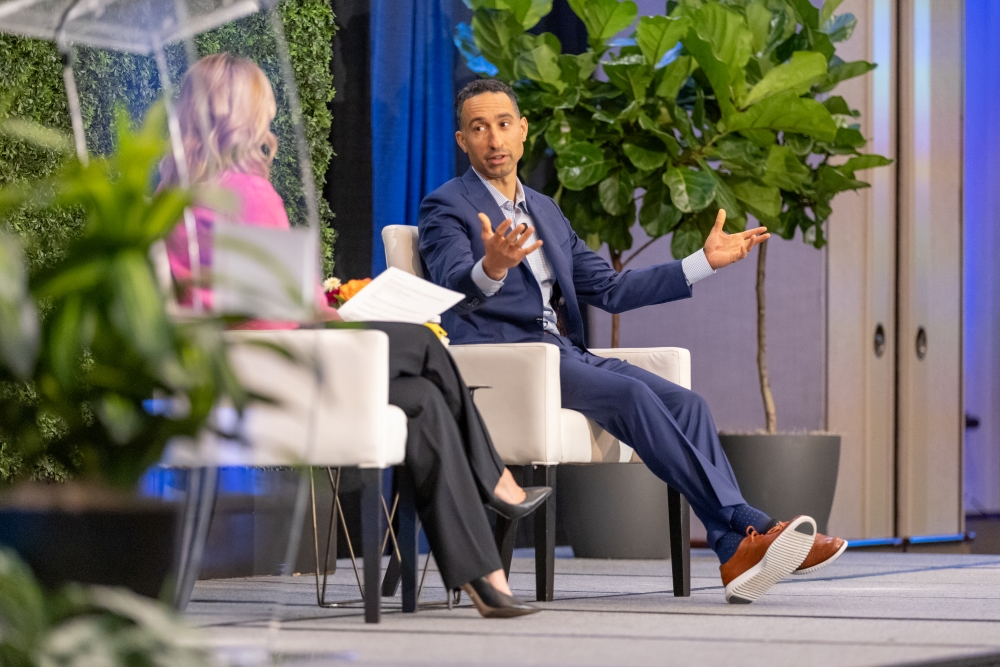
672, 431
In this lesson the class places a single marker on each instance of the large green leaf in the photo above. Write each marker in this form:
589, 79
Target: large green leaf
841, 28
759, 19
645, 152
658, 216
563, 131
690, 190
689, 237
496, 34
864, 162
527, 12
738, 155
615, 231
581, 164
764, 201
849, 137
830, 180
631, 75
829, 7
842, 72
838, 106
655, 35
673, 76
64, 339
577, 68
541, 64
604, 18
616, 193
797, 75
668, 138
725, 198
721, 43
807, 13
785, 170
786, 112
138, 310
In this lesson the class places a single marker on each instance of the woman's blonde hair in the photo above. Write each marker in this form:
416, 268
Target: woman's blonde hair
225, 111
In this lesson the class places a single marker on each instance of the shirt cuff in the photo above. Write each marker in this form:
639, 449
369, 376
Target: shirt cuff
695, 266
487, 284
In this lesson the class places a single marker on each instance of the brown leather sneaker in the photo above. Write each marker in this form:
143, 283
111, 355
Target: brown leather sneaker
761, 561
824, 551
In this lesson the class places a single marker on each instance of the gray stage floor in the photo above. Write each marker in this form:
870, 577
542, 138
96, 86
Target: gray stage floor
867, 609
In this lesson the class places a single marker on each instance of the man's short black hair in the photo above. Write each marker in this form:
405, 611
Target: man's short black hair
478, 87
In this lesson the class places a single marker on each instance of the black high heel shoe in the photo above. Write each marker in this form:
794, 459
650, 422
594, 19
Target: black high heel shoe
535, 496
491, 603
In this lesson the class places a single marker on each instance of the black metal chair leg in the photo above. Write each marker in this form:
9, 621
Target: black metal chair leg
409, 547
371, 540
680, 542
390, 582
545, 536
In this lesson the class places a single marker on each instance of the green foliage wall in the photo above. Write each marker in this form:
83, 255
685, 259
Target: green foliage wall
31, 87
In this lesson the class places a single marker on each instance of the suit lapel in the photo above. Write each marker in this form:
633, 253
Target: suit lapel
481, 200
545, 231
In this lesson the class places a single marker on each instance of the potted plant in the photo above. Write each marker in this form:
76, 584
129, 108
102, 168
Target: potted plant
712, 105
88, 625
77, 382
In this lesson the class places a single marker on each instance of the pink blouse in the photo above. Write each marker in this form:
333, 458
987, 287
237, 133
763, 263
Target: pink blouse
259, 204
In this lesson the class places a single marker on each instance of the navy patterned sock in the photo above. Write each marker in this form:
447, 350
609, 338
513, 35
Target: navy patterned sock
727, 545
745, 516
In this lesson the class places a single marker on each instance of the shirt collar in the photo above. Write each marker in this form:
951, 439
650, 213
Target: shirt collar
500, 198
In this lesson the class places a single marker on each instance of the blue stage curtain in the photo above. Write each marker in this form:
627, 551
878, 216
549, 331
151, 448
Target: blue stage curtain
413, 127
982, 271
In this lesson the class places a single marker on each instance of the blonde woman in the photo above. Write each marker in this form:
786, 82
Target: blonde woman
225, 110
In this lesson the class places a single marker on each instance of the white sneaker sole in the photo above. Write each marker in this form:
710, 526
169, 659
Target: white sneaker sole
784, 555
820, 566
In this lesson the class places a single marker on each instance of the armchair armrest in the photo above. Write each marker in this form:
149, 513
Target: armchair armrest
670, 363
520, 400
330, 403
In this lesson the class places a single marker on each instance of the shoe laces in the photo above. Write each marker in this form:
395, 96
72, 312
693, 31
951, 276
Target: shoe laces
752, 532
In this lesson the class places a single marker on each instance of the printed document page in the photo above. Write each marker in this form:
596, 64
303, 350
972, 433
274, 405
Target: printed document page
397, 296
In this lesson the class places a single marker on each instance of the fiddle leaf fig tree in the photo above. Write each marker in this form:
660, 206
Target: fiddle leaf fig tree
717, 104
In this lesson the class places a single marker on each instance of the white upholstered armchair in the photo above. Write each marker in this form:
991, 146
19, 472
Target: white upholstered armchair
523, 379
330, 409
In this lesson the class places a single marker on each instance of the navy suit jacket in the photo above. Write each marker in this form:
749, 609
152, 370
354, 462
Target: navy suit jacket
451, 244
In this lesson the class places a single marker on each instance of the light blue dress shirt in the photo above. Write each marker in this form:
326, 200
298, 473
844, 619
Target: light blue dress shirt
695, 266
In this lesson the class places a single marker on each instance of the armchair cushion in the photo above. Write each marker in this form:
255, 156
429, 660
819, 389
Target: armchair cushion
521, 401
330, 403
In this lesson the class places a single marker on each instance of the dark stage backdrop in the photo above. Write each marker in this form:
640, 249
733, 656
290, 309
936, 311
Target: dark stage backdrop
349, 180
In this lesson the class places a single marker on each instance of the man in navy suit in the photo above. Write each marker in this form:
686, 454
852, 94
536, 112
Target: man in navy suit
523, 271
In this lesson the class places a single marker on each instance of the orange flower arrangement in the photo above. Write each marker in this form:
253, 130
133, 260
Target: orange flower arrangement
338, 294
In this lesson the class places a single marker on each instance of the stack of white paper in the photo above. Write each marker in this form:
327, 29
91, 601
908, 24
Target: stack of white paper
397, 296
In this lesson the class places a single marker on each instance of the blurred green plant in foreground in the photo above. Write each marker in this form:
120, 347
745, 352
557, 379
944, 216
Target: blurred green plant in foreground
75, 385
85, 626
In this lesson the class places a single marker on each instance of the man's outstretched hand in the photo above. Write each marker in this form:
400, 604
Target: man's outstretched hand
722, 249
505, 251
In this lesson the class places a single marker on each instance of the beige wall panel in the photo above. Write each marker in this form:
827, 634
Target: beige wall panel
930, 272
861, 266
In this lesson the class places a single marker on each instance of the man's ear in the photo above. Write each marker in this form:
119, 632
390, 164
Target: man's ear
460, 138
524, 128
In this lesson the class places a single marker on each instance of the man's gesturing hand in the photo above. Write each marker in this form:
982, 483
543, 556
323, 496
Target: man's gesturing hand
722, 249
505, 251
